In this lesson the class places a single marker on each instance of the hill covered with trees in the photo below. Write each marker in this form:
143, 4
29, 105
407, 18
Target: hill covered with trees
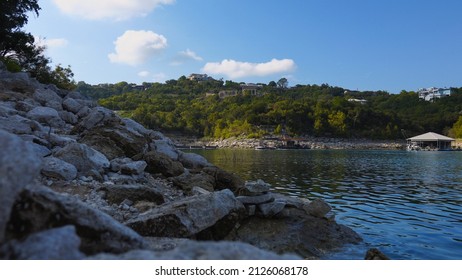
218, 109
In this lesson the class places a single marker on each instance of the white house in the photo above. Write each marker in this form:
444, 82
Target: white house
429, 94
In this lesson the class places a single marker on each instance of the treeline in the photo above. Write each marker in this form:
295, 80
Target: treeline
195, 108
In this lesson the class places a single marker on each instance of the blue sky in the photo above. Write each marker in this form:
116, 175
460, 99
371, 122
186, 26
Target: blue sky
390, 45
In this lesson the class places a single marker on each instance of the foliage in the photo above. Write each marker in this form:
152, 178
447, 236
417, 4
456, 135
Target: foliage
193, 108
17, 48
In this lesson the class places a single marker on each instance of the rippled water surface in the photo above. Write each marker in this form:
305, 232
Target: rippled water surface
408, 204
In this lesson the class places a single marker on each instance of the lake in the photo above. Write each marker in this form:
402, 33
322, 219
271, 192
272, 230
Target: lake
407, 204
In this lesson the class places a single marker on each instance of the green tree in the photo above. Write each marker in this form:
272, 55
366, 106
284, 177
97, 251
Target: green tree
457, 128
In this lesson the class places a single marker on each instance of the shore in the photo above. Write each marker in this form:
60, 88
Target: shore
315, 143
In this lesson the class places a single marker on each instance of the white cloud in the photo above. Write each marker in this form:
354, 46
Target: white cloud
51, 43
109, 9
185, 56
144, 74
135, 47
237, 69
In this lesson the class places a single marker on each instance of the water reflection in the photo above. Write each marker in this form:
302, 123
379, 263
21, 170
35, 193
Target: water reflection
408, 204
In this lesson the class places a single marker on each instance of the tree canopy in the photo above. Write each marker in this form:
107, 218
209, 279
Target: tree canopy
18, 50
195, 108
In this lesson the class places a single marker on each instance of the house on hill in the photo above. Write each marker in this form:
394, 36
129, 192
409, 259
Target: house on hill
429, 141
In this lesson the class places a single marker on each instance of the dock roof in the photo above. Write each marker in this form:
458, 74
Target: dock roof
430, 136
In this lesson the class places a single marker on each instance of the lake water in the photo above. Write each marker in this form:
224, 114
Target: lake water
407, 204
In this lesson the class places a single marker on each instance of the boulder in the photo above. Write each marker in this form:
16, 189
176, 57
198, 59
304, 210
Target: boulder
161, 163
54, 244
188, 181
58, 169
40, 150
166, 147
68, 117
39, 208
116, 194
72, 105
271, 209
19, 165
16, 124
115, 141
193, 161
98, 117
317, 208
205, 250
84, 158
48, 98
257, 199
46, 115
133, 168
224, 179
210, 216
257, 187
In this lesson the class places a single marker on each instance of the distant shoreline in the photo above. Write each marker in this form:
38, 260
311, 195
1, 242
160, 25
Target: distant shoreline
315, 143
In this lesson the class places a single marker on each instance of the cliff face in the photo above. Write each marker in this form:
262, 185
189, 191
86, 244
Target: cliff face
77, 181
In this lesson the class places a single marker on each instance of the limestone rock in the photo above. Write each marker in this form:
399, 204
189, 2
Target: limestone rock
84, 158
39, 208
255, 188
72, 105
193, 250
317, 208
46, 115
59, 169
193, 161
271, 209
98, 116
258, 199
166, 147
19, 165
48, 98
192, 216
161, 163
16, 124
68, 117
224, 179
118, 193
188, 181
115, 141
54, 244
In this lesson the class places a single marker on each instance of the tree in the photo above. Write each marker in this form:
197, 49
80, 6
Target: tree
17, 48
283, 83
457, 128
14, 41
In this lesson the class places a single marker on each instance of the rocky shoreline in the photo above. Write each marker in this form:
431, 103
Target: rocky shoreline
79, 182
315, 143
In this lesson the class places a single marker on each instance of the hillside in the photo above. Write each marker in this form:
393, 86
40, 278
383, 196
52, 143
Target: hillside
218, 110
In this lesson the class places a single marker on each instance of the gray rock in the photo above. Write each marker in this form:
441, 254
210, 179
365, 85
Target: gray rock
224, 179
40, 150
85, 111
258, 199
46, 115
98, 116
290, 201
6, 110
193, 250
48, 98
161, 163
209, 216
68, 117
133, 168
59, 169
317, 208
258, 186
166, 147
301, 234
54, 244
72, 105
118, 162
135, 127
116, 194
19, 165
193, 161
16, 124
18, 82
84, 158
26, 105
39, 208
271, 209
188, 181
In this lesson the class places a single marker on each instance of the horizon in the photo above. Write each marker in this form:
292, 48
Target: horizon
361, 45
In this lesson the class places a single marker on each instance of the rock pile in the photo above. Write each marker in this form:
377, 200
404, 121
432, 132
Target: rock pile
77, 181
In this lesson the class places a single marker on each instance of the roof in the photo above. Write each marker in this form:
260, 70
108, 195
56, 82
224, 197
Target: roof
431, 136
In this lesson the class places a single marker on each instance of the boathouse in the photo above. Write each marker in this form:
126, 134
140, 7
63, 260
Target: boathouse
429, 141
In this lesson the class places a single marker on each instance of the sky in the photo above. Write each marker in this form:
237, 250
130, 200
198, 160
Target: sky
390, 45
